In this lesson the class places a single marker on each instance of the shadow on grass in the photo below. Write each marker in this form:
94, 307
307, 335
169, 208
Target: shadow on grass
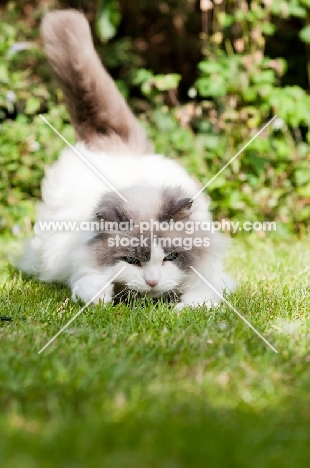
173, 432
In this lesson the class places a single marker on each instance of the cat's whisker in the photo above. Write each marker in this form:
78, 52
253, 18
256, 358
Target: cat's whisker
175, 295
121, 292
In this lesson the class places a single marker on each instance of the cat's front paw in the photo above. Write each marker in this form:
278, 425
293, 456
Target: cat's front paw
92, 288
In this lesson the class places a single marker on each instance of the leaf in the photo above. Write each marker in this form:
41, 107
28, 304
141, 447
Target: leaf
225, 19
108, 20
236, 200
258, 163
302, 174
215, 87
182, 139
33, 105
166, 82
265, 76
4, 76
142, 75
164, 121
304, 191
298, 11
209, 66
304, 34
268, 28
219, 181
249, 94
210, 141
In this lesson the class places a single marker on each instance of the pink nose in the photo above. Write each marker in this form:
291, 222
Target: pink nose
152, 283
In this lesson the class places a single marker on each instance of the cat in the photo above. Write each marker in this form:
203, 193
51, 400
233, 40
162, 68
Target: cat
112, 176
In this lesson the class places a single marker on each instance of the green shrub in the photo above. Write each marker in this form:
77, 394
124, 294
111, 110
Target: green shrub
27, 143
236, 90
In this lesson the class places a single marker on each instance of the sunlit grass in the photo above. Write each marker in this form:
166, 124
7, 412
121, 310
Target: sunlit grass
148, 387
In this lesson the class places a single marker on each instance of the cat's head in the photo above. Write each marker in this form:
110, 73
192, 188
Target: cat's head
152, 235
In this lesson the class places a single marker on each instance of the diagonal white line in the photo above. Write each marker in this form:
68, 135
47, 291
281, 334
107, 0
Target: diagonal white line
234, 157
84, 159
81, 310
303, 271
236, 311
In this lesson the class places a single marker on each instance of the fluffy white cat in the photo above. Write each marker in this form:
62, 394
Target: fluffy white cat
113, 176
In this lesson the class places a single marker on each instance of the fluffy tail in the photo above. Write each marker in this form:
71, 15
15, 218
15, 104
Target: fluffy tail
98, 111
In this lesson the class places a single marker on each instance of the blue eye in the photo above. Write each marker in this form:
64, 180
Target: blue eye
171, 257
132, 261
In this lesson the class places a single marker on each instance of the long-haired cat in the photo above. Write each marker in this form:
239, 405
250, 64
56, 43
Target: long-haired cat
113, 176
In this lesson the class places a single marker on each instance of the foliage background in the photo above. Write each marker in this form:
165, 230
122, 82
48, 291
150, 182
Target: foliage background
202, 76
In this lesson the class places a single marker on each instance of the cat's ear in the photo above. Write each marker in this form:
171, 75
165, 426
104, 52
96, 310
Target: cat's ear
178, 209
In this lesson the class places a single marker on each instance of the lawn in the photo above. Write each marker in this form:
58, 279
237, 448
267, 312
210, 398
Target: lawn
146, 387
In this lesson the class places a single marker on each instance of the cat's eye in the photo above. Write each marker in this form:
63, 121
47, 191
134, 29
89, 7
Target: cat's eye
171, 256
132, 261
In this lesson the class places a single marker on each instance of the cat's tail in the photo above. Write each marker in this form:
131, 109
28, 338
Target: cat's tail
98, 111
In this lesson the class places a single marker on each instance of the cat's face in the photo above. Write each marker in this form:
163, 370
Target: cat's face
157, 261
154, 276
153, 266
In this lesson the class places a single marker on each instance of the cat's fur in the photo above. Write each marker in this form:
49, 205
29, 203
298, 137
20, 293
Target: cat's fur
112, 141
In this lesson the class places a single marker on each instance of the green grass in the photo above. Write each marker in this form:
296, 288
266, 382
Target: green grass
146, 387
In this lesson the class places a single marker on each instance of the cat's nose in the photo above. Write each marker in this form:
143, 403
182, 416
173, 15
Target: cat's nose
152, 283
